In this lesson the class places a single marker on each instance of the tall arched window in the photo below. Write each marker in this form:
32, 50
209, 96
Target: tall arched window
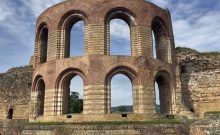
43, 43
162, 47
76, 95
121, 94
154, 47
119, 37
119, 90
157, 95
72, 34
40, 89
77, 39
118, 32
72, 93
163, 92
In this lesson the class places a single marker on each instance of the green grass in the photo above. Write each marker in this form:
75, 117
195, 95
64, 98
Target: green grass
209, 54
185, 50
213, 112
45, 123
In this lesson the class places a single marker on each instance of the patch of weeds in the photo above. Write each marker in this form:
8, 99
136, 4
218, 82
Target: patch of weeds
187, 51
212, 112
156, 121
209, 54
45, 123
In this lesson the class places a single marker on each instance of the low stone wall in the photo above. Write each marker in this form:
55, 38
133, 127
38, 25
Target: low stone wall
97, 129
209, 126
116, 130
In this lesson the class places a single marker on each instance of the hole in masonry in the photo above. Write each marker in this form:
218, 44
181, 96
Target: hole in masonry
29, 85
123, 115
170, 116
192, 110
69, 116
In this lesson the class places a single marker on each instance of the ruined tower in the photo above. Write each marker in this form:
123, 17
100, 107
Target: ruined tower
54, 68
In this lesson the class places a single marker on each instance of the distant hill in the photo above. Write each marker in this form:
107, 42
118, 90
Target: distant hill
157, 108
128, 108
125, 108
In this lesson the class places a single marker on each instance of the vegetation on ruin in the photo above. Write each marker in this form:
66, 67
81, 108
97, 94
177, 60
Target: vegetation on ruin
213, 112
75, 104
187, 51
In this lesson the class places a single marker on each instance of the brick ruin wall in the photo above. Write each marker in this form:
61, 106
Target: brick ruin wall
15, 86
198, 82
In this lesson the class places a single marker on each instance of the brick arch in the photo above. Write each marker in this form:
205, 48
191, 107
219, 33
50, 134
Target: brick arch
65, 73
159, 25
41, 42
66, 23
162, 39
127, 71
121, 13
63, 80
117, 13
35, 81
39, 88
70, 18
163, 67
166, 91
113, 65
133, 8
44, 19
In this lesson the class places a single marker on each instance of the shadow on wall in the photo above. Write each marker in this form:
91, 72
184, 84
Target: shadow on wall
10, 112
186, 94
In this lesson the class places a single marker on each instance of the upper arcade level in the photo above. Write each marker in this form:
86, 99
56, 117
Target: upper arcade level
145, 20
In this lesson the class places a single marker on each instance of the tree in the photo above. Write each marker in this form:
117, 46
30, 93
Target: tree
122, 109
75, 104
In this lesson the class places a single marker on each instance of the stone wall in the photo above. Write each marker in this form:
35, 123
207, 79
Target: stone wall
198, 81
96, 129
209, 126
15, 86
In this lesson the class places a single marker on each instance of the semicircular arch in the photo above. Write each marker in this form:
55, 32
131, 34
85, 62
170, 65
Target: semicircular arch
121, 13
62, 84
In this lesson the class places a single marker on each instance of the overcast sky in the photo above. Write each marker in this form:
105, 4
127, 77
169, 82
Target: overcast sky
195, 25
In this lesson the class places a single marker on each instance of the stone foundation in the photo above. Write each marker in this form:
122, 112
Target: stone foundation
98, 129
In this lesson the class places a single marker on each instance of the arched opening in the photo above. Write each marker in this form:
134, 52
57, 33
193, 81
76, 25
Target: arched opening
118, 32
72, 34
43, 42
161, 42
119, 37
164, 97
157, 95
10, 112
72, 93
76, 95
77, 39
120, 79
154, 46
40, 89
121, 94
